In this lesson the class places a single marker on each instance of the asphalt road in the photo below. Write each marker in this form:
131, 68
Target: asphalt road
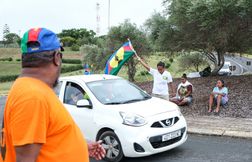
239, 68
204, 149
240, 62
200, 149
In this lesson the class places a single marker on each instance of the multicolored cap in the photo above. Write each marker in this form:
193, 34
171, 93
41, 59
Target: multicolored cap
41, 39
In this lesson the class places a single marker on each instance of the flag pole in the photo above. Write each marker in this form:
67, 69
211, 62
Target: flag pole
132, 48
136, 55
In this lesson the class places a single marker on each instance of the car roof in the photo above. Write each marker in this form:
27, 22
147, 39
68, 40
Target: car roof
90, 78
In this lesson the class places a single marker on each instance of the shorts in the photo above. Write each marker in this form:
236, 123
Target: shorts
223, 101
165, 97
189, 99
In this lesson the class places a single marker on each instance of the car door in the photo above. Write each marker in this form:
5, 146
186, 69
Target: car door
84, 117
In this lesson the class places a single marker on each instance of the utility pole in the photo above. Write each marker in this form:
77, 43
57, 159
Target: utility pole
108, 14
98, 19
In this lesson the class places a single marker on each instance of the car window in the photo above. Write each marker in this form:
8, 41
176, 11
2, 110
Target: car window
57, 88
73, 93
116, 91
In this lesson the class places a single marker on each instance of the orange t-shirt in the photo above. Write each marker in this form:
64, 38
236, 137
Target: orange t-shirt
34, 114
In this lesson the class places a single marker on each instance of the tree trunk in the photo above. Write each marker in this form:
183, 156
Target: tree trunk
131, 70
219, 63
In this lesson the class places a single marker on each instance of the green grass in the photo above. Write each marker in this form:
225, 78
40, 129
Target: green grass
5, 87
9, 68
15, 53
247, 55
14, 67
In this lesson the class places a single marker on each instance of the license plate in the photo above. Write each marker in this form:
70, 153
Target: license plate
170, 136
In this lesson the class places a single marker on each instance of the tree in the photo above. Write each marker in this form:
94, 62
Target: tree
68, 41
12, 38
96, 55
119, 34
81, 36
214, 27
192, 60
155, 25
6, 30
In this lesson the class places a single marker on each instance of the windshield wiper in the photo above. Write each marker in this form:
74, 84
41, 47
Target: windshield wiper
129, 101
114, 103
135, 100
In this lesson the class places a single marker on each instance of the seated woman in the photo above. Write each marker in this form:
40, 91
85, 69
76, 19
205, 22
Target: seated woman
219, 96
184, 92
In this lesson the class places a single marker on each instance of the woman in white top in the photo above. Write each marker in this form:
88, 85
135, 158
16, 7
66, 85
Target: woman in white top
162, 80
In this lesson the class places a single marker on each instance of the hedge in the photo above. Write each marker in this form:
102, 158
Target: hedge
71, 61
64, 69
8, 78
6, 59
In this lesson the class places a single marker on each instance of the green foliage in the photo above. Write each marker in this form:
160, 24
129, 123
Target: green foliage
143, 73
119, 34
18, 60
6, 59
12, 39
68, 41
95, 56
192, 60
8, 78
66, 69
80, 36
212, 26
171, 60
167, 65
155, 26
71, 61
75, 48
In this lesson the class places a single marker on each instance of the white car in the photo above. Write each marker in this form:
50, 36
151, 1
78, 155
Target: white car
225, 70
130, 122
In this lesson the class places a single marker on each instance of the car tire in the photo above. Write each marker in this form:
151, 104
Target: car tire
112, 145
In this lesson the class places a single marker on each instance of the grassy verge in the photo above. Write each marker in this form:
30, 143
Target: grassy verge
5, 87
248, 56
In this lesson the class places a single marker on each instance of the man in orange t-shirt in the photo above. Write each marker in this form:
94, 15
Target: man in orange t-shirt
37, 127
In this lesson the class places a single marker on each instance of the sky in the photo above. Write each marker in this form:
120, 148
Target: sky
21, 15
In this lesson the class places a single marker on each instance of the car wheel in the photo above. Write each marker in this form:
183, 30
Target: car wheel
112, 145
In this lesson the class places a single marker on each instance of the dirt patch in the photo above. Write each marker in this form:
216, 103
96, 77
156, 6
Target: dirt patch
240, 96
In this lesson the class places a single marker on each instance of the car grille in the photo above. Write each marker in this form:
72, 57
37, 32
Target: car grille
165, 123
156, 141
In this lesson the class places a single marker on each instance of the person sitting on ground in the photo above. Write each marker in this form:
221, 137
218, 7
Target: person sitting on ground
219, 96
184, 92
162, 79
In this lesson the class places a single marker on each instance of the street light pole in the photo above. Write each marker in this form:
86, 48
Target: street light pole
108, 14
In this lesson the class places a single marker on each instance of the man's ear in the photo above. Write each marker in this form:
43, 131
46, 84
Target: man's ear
56, 59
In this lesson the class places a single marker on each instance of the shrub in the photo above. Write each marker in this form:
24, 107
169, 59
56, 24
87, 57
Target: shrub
71, 61
171, 60
8, 78
75, 48
6, 59
142, 73
167, 65
18, 60
66, 69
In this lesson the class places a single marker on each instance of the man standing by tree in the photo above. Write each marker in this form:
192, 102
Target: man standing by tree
162, 80
37, 127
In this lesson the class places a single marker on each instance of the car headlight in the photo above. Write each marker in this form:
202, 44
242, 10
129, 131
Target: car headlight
133, 119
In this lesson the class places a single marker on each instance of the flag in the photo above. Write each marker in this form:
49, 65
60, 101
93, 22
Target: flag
118, 59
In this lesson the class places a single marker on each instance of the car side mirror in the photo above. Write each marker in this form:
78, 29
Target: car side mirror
84, 104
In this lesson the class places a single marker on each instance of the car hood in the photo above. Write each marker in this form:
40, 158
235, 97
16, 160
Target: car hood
145, 108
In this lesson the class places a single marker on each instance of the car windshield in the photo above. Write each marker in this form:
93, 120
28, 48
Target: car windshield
117, 91
226, 66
